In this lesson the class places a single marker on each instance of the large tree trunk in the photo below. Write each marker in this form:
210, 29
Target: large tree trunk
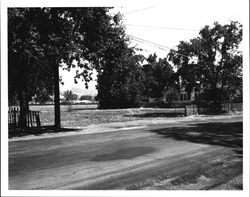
216, 101
23, 97
24, 108
56, 96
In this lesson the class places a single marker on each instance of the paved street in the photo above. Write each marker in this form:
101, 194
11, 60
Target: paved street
191, 154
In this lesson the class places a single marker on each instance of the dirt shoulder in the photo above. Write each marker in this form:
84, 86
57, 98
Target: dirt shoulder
48, 132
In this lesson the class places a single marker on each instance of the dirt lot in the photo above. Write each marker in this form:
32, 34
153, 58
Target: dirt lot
84, 115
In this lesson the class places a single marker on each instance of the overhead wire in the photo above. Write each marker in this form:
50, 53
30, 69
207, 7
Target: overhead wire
143, 40
150, 45
133, 11
162, 47
162, 27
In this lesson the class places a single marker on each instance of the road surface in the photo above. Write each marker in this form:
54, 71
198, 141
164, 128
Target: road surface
191, 154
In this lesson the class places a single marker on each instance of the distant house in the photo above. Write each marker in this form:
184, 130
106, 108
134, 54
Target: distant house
174, 95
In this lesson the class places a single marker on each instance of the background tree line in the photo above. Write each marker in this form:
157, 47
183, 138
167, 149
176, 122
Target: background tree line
210, 64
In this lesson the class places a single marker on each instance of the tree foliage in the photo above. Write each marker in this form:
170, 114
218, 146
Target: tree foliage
127, 82
28, 70
211, 62
38, 36
86, 97
42, 96
157, 76
119, 72
120, 83
69, 96
41, 39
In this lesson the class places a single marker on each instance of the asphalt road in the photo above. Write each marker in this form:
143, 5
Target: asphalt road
181, 155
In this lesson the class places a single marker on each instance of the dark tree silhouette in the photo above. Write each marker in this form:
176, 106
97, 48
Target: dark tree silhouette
212, 62
157, 76
42, 39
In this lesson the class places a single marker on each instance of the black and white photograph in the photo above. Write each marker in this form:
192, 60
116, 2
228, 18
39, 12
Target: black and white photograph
125, 98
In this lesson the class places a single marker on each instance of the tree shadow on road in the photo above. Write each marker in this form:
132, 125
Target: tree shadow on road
222, 134
17, 132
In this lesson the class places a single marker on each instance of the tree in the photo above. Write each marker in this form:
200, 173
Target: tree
42, 96
120, 84
211, 62
42, 39
69, 96
157, 76
86, 97
23, 55
119, 72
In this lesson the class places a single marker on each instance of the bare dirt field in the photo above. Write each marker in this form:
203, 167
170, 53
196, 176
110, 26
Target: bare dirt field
84, 115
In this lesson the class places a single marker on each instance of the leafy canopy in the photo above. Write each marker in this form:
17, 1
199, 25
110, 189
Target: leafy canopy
41, 39
212, 62
157, 76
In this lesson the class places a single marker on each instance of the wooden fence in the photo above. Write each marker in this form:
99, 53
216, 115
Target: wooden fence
32, 118
13, 116
226, 107
232, 107
191, 109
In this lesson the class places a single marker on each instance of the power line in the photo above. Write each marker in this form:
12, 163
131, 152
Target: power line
161, 27
150, 44
133, 11
165, 48
162, 47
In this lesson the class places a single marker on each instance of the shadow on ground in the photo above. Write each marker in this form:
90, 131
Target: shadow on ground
155, 115
222, 134
17, 132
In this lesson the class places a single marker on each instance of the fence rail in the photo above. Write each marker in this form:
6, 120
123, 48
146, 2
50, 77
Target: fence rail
226, 107
232, 107
32, 118
191, 109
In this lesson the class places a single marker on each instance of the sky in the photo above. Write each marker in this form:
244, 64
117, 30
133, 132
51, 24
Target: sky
165, 23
